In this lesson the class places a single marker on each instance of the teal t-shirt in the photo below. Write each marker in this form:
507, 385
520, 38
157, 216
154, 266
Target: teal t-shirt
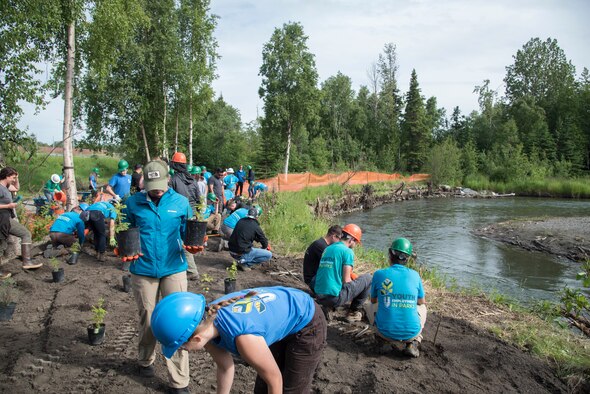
397, 290
328, 280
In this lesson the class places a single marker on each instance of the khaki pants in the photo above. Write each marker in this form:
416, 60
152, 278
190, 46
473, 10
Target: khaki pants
147, 292
18, 230
214, 222
371, 310
190, 259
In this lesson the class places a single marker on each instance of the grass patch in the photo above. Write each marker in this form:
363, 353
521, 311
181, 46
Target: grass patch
550, 187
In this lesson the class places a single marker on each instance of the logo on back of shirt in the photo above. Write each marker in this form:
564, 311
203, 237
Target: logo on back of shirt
386, 287
257, 302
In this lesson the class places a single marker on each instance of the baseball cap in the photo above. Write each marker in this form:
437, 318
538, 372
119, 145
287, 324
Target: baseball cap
155, 176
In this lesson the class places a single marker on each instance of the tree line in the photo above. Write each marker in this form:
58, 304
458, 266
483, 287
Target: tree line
141, 75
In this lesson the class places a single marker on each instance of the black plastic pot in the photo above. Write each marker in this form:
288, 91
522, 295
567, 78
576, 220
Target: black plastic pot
58, 276
96, 335
195, 233
73, 260
128, 242
229, 285
126, 283
6, 311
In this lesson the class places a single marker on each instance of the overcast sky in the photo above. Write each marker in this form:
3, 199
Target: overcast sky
453, 44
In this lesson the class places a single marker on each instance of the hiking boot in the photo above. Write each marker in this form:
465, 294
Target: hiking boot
243, 267
192, 275
174, 390
220, 246
101, 257
412, 349
354, 316
28, 264
147, 372
5, 275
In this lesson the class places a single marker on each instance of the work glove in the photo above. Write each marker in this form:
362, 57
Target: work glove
128, 258
268, 247
353, 276
193, 249
113, 242
118, 198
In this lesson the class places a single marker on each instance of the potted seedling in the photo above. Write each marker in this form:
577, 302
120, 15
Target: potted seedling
57, 270
128, 243
97, 328
232, 275
75, 249
7, 303
196, 227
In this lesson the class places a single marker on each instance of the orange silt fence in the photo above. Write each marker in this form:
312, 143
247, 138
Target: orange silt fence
296, 182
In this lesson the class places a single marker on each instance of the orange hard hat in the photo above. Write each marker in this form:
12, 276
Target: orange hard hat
179, 157
354, 231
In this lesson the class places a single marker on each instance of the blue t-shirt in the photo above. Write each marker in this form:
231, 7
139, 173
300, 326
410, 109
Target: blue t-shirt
273, 313
241, 175
208, 211
68, 223
230, 181
397, 290
260, 187
92, 179
228, 194
236, 215
328, 280
121, 184
107, 209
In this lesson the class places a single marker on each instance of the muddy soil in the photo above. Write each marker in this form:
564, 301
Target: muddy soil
567, 237
45, 347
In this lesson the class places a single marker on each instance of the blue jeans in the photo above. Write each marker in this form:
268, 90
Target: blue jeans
256, 256
355, 292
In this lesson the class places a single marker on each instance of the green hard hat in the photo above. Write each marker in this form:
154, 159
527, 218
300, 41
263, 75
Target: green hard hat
259, 208
203, 168
96, 170
212, 197
123, 165
189, 168
402, 245
195, 170
249, 167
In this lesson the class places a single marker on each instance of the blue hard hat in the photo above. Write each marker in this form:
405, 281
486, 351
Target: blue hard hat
84, 206
175, 318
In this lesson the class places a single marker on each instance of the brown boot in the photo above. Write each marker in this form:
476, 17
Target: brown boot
26, 256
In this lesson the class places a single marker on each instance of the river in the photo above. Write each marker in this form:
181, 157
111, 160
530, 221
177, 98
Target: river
440, 230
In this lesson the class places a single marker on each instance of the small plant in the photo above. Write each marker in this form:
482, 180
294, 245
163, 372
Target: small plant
7, 290
206, 278
75, 248
55, 264
232, 271
98, 314
120, 223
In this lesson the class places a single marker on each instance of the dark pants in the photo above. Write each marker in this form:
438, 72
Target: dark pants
355, 292
96, 224
239, 188
298, 356
250, 189
64, 239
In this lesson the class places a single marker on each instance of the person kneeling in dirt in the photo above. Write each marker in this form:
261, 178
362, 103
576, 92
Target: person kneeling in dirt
161, 215
335, 284
67, 227
240, 243
279, 331
397, 307
314, 252
95, 216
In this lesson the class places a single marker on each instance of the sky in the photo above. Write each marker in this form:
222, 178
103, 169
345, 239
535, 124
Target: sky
454, 45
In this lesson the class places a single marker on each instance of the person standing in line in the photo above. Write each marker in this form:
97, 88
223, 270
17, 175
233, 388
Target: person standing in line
161, 215
333, 282
241, 175
206, 174
137, 179
120, 184
279, 331
251, 179
230, 180
9, 177
398, 306
215, 185
313, 253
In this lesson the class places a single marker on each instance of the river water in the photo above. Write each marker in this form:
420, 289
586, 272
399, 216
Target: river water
440, 230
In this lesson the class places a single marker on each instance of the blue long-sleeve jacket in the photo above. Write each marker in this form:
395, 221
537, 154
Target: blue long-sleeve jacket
161, 231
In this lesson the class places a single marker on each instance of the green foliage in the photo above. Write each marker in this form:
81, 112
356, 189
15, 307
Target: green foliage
584, 275
121, 223
98, 313
232, 271
444, 164
75, 248
7, 291
416, 134
55, 264
206, 278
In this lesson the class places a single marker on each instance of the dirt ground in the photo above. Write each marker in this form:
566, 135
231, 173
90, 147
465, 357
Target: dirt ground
568, 237
45, 346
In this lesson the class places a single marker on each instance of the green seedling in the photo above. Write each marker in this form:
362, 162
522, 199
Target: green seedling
98, 314
55, 264
232, 271
75, 248
7, 290
206, 278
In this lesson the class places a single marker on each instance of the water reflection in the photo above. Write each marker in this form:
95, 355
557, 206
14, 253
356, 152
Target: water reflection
440, 230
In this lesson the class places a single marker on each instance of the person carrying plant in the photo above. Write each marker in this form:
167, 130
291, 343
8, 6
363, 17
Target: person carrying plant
334, 283
398, 307
279, 331
51, 186
8, 177
95, 216
160, 213
120, 184
313, 253
183, 183
241, 241
68, 227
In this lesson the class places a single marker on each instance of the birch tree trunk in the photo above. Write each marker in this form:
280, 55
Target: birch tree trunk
288, 153
70, 176
145, 143
165, 140
176, 137
190, 131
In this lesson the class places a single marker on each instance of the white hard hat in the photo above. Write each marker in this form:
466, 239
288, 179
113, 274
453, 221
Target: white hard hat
55, 178
230, 170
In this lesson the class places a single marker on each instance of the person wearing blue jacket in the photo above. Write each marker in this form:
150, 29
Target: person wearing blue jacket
279, 331
67, 227
241, 175
160, 214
